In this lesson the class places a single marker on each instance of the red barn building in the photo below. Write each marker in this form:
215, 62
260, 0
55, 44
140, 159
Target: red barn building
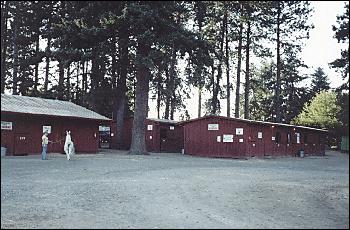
23, 120
217, 136
162, 135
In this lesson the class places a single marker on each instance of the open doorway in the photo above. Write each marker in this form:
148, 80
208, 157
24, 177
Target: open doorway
105, 137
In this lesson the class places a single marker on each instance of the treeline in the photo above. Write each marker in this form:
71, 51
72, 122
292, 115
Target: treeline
110, 56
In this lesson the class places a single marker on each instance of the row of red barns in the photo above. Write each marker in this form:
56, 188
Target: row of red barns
217, 136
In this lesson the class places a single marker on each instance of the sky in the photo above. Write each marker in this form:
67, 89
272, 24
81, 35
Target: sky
319, 50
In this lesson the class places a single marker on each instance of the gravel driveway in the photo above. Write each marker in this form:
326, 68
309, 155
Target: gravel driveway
115, 190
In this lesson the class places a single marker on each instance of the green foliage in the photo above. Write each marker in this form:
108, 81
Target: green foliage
342, 35
321, 112
319, 82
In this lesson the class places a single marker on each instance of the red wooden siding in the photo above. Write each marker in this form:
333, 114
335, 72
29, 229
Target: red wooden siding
25, 137
172, 140
203, 142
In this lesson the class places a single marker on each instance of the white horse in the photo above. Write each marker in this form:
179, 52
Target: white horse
69, 146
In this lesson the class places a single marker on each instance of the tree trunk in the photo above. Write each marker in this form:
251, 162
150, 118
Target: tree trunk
83, 83
238, 70
200, 85
114, 64
60, 89
227, 59
138, 144
167, 99
121, 86
47, 69
199, 100
36, 70
216, 89
278, 80
4, 15
172, 87
172, 109
68, 84
159, 87
94, 79
213, 88
247, 80
77, 85
15, 58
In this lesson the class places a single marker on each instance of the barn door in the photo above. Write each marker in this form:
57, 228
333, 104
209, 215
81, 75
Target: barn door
163, 139
21, 144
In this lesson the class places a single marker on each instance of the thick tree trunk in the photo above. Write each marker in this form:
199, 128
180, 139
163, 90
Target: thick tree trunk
159, 88
172, 88
213, 100
4, 15
138, 144
114, 64
227, 60
199, 100
219, 75
15, 58
121, 86
60, 88
247, 80
167, 99
238, 70
278, 80
200, 85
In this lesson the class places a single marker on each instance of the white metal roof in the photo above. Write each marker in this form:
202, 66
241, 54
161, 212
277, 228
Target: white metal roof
163, 120
258, 122
35, 105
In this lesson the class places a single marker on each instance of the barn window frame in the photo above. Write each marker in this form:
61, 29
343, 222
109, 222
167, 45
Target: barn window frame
289, 139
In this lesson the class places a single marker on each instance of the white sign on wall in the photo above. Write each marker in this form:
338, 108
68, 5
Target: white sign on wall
104, 128
150, 137
213, 126
218, 139
6, 125
239, 131
227, 138
149, 127
112, 134
240, 140
260, 135
47, 128
298, 138
273, 138
172, 127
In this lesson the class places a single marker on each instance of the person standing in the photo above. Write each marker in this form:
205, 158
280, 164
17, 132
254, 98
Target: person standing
45, 142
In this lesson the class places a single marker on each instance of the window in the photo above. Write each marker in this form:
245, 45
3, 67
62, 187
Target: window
278, 137
298, 138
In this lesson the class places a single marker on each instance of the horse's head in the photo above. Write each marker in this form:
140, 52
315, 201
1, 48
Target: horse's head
68, 137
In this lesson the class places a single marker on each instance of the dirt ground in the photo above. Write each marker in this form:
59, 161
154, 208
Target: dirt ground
115, 190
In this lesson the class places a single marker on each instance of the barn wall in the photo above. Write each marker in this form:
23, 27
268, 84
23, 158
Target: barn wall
172, 143
203, 142
30, 126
